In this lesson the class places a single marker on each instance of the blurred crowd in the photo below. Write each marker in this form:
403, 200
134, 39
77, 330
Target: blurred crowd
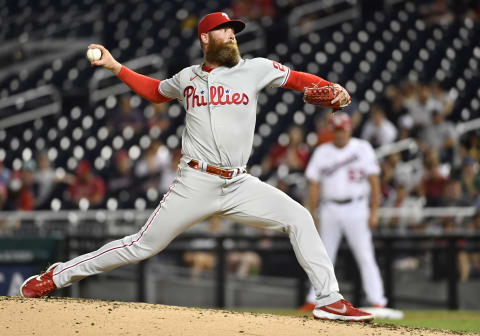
439, 169
40, 185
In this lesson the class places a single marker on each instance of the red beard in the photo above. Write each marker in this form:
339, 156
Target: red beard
222, 53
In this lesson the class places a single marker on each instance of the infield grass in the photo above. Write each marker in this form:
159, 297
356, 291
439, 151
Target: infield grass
463, 321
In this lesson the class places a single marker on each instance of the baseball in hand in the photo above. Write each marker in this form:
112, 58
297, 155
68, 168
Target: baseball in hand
94, 54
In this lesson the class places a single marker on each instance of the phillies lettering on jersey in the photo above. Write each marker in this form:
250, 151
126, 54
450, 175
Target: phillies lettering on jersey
218, 96
221, 108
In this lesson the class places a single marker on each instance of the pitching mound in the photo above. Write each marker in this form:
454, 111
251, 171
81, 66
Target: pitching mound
64, 316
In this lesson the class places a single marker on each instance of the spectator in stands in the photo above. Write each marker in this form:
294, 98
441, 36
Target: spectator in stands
440, 135
21, 188
396, 95
200, 261
294, 154
87, 186
252, 9
407, 174
353, 111
27, 192
3, 195
387, 174
470, 145
241, 263
293, 184
414, 97
401, 199
159, 117
437, 12
324, 133
155, 160
126, 116
405, 131
469, 9
405, 126
470, 180
432, 185
121, 184
4, 182
169, 172
285, 164
378, 130
5, 174
47, 181
439, 99
453, 196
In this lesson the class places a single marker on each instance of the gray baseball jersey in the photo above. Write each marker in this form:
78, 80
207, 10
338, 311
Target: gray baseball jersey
221, 108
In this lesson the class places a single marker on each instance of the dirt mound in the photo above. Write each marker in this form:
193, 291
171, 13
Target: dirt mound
64, 316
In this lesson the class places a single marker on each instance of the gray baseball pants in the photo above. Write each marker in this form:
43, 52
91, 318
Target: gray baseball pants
196, 195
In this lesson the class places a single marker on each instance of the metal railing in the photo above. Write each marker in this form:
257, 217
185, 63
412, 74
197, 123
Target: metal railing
128, 221
29, 105
82, 231
411, 144
351, 12
387, 247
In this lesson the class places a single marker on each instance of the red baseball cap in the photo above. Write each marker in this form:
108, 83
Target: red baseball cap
341, 121
213, 20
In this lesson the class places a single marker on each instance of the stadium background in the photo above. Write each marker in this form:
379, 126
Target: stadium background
415, 64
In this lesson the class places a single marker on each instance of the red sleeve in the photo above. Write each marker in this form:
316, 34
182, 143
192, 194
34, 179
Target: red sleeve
144, 86
299, 80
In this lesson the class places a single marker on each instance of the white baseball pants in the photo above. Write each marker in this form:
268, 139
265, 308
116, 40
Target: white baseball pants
351, 220
194, 196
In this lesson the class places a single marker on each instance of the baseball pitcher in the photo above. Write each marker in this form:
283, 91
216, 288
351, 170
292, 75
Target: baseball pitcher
220, 100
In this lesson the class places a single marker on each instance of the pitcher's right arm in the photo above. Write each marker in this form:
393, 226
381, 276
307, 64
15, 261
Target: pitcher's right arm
145, 87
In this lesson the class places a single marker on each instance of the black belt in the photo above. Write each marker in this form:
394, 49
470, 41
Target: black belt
346, 200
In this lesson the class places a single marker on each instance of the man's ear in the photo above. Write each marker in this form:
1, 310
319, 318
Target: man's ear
204, 38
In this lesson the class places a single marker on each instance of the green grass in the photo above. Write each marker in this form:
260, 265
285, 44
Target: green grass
463, 321
468, 321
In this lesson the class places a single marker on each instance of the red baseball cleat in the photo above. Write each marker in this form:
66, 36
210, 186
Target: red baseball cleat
341, 310
307, 307
39, 285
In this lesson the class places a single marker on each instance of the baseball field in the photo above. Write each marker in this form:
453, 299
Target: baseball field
64, 316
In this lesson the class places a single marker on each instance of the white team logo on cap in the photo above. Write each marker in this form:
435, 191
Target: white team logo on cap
224, 14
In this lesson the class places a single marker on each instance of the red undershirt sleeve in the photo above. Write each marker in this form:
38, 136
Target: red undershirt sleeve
144, 86
299, 80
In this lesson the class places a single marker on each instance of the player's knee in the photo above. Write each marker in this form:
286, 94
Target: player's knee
301, 218
141, 252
